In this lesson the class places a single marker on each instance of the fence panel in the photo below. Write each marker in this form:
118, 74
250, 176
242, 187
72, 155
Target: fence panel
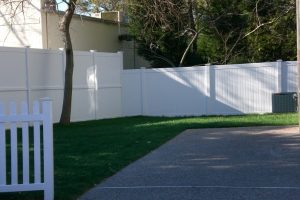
83, 106
175, 92
103, 90
243, 89
24, 119
209, 90
12, 74
292, 76
132, 102
108, 86
27, 74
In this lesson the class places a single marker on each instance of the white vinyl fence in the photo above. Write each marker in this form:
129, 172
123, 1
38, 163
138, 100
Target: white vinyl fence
27, 74
206, 90
102, 89
11, 148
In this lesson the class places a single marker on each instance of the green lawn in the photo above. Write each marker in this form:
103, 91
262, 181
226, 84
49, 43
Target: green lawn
88, 152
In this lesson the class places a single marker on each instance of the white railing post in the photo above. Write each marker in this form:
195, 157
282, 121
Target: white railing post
48, 149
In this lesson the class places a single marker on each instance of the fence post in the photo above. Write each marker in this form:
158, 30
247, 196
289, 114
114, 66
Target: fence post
207, 87
27, 77
95, 82
212, 87
142, 75
14, 144
63, 65
284, 76
279, 76
48, 149
121, 57
121, 54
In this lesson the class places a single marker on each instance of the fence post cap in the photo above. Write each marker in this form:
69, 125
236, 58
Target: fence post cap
208, 64
279, 60
93, 51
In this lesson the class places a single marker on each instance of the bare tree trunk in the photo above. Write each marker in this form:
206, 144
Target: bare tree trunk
192, 27
188, 48
64, 26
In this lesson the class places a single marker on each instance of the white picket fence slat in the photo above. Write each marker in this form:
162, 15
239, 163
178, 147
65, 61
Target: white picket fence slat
2, 150
8, 126
37, 144
14, 145
25, 144
48, 150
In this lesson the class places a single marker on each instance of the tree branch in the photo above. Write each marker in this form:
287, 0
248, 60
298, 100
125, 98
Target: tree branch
188, 47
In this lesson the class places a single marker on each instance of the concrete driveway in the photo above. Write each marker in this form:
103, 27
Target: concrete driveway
261, 163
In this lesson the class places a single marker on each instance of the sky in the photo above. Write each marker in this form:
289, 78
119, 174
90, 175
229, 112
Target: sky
61, 5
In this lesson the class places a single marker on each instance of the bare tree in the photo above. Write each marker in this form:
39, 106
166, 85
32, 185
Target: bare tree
10, 10
233, 36
159, 18
14, 6
64, 27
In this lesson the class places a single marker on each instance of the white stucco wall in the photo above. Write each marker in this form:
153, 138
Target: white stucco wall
24, 29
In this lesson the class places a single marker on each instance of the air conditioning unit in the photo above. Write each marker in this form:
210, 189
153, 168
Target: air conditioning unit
284, 102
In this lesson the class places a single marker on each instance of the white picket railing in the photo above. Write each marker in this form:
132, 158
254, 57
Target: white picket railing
10, 147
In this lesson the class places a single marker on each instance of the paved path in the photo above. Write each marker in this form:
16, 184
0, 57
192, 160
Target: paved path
261, 163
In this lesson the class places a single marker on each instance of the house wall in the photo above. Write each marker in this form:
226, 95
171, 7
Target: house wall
25, 28
87, 33
39, 29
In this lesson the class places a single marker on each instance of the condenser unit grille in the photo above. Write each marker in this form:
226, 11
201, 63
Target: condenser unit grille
284, 102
